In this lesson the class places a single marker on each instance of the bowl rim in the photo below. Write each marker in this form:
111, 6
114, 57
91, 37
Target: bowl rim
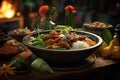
55, 50
10, 33
20, 49
97, 28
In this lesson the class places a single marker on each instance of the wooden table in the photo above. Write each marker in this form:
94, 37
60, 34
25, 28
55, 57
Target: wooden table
101, 69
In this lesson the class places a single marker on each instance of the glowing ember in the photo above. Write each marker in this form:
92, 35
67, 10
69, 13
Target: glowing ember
7, 10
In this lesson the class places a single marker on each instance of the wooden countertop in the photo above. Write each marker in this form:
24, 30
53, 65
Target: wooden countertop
100, 69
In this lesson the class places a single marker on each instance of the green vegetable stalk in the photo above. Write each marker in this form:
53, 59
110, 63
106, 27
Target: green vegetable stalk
70, 20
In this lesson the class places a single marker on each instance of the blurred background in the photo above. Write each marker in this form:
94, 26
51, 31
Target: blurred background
24, 13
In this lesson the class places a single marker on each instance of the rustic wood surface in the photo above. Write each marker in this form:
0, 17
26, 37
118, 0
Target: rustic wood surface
101, 69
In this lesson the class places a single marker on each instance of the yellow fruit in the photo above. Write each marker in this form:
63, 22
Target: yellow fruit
104, 44
114, 41
106, 52
115, 52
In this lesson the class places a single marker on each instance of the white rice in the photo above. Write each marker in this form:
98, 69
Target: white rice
61, 35
79, 45
31, 39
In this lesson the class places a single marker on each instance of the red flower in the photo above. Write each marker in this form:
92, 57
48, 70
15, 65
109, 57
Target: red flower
69, 8
43, 9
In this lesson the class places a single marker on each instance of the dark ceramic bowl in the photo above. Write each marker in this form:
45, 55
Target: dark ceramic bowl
64, 57
3, 39
17, 37
8, 52
97, 30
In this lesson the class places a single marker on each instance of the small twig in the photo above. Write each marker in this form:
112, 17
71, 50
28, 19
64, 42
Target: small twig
35, 28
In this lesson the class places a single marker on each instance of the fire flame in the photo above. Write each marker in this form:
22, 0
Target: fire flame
6, 10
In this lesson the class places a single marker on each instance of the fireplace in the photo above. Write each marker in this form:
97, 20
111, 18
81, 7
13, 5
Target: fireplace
10, 15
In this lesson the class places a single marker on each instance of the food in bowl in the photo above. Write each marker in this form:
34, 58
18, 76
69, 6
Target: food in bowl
21, 31
97, 24
18, 34
97, 27
62, 56
59, 40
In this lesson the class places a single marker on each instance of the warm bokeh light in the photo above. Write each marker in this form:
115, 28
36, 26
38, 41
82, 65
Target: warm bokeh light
7, 10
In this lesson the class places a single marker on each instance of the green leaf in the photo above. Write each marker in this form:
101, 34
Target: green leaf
107, 36
19, 63
40, 65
